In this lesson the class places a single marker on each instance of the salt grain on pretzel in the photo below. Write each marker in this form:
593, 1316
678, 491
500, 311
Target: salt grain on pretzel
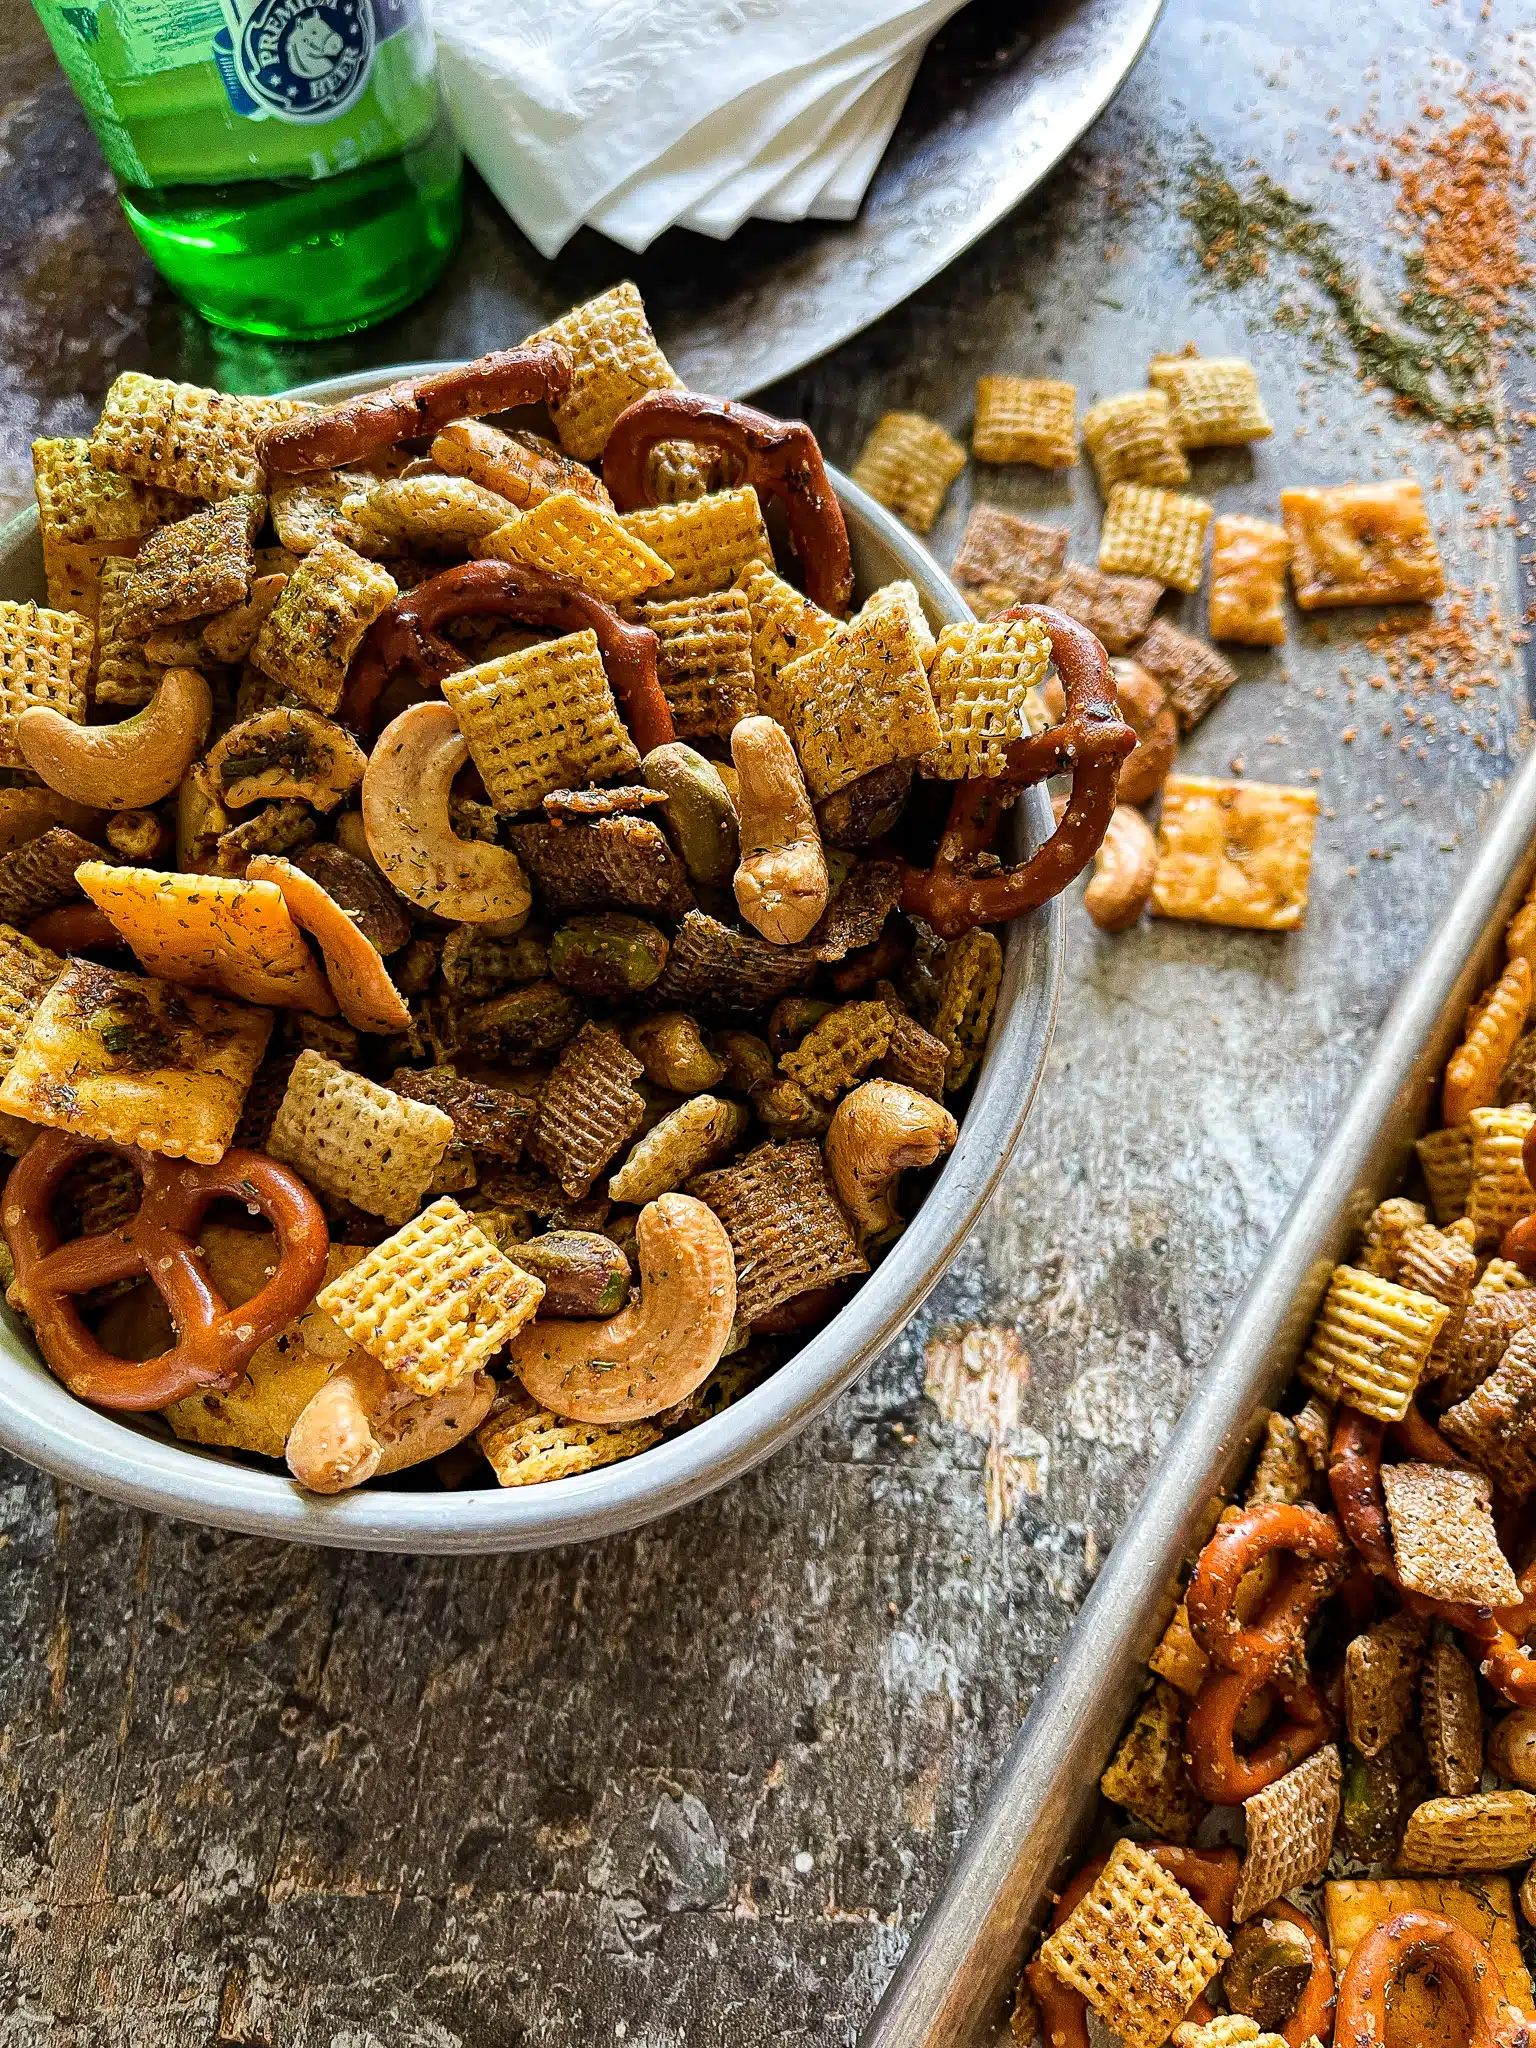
1025, 419
981, 679
1020, 559
1452, 1720
785, 1224
1148, 1775
1152, 532
1116, 609
589, 1109
45, 658
570, 537
309, 638
858, 702
705, 542
1131, 440
704, 661
908, 464
1290, 1832
1443, 1539
358, 1142
525, 1445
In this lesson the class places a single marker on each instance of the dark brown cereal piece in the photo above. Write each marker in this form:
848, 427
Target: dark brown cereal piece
623, 863
362, 893
263, 1099
589, 1110
524, 1024
1017, 556
783, 1219
857, 913
491, 1120
1195, 676
1118, 609
1381, 1676
1490, 1322
1444, 1267
1496, 1424
1452, 1720
1517, 1083
719, 969
40, 875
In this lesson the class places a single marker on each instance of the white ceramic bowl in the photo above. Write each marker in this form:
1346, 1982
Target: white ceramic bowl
136, 1459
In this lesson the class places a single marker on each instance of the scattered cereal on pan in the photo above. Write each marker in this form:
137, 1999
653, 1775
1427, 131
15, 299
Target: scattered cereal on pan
908, 464
1025, 419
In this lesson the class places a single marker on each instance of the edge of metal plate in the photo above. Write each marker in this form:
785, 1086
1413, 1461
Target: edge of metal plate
954, 1982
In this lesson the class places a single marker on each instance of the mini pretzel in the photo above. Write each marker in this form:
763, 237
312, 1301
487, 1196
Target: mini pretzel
1410, 1941
1276, 1639
1520, 1238
779, 458
1210, 1878
1091, 741
1219, 1773
214, 1343
507, 590
1314, 2008
416, 407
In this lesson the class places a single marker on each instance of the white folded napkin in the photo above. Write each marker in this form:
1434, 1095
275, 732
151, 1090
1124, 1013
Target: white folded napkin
634, 114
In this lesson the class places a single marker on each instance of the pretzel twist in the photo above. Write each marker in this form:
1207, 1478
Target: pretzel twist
1314, 2008
1520, 1238
779, 458
1222, 1776
214, 1343
416, 406
1089, 743
407, 633
1210, 1878
1275, 1640
1414, 1940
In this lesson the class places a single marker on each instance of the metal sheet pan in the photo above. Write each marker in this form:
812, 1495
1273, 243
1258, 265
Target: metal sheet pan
956, 1981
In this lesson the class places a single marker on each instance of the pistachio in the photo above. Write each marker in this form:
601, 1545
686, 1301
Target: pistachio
584, 1275
867, 809
362, 893
748, 1060
607, 954
670, 1046
700, 817
1270, 1967
786, 1111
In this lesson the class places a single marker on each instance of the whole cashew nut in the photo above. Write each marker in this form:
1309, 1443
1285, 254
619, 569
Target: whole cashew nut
127, 766
405, 816
877, 1132
655, 1352
781, 882
1123, 871
361, 1424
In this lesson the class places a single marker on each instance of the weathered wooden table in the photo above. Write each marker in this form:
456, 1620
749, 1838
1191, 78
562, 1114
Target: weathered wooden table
695, 1786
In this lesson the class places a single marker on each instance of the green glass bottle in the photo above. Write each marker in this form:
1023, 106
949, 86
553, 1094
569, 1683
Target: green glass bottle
288, 164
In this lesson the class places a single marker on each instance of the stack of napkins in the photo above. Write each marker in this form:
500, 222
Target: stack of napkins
638, 115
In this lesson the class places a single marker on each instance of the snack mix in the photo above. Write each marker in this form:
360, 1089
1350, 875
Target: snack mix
482, 940
1348, 1664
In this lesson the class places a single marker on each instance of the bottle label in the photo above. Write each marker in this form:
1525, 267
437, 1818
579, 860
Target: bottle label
305, 60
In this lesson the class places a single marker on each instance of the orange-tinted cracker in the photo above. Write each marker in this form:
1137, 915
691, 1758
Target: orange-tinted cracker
1422, 2015
1234, 853
1361, 544
212, 931
1248, 563
358, 977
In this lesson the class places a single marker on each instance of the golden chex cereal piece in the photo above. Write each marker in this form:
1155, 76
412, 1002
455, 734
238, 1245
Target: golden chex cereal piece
907, 465
981, 678
124, 673
1434, 1263
1443, 1538
1481, 1831
1493, 1028
1502, 1276
437, 514
309, 637
698, 1133
859, 702
434, 1302
1131, 440
518, 466
1194, 676
1248, 564
1386, 1229
1495, 1425
1290, 1832
1371, 1343
525, 1445
45, 658
1499, 1192
213, 932
583, 543
27, 972
902, 596
1016, 559
73, 570
136, 1062
40, 874
1153, 532
309, 509
711, 966
184, 438
1452, 1720
1214, 400
1361, 544
1283, 1472
1025, 419
1148, 1775
675, 470
785, 1224
1178, 1657
604, 863
1227, 2030
970, 975
1422, 2014
1234, 853
1381, 1678
202, 564
1117, 609
705, 542
358, 1142
839, 1049
540, 719
617, 360
79, 503
704, 660
1446, 1158
1137, 1947
785, 625
589, 1110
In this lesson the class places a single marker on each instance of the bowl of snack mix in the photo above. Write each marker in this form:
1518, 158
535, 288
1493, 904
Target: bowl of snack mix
527, 935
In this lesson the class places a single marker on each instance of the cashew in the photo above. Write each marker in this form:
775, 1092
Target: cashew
354, 966
284, 753
405, 815
877, 1132
1146, 710
1123, 869
361, 1424
670, 1046
781, 883
655, 1352
123, 767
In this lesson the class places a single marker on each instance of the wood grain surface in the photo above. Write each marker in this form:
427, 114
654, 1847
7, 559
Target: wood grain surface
696, 1786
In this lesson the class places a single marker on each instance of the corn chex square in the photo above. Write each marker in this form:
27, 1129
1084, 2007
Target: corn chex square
358, 1142
309, 637
1025, 419
1446, 1159
525, 1445
518, 466
704, 661
202, 564
136, 1062
1248, 564
785, 625
80, 504
1236, 853
1361, 544
1148, 531
124, 673
902, 596
1116, 609
27, 972
1481, 1831
184, 438
1148, 1775
589, 1110
311, 508
1443, 1538
1371, 1343
1213, 400
582, 543
839, 1049
400, 515
542, 718
1290, 1831
785, 1224
617, 360
1137, 1947
1018, 560
1131, 440
969, 978
675, 470
859, 701
1498, 1192
705, 542
908, 464
981, 678
45, 658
